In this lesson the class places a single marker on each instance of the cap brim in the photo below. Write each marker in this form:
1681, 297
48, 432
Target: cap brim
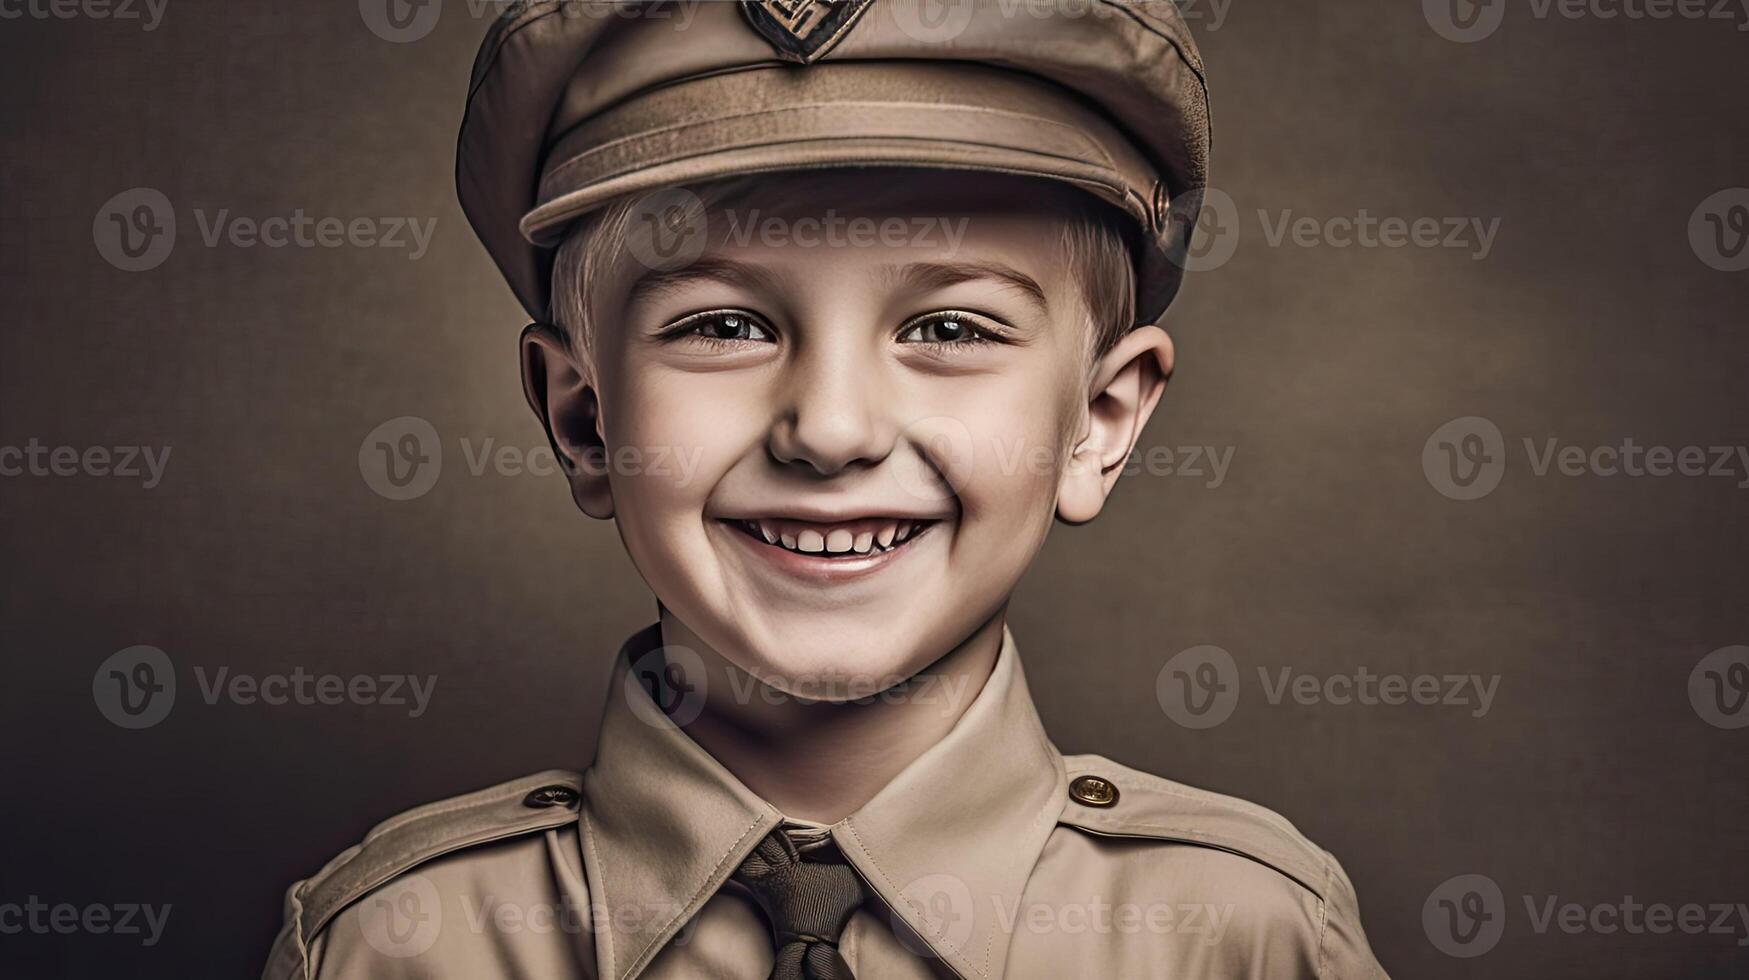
935, 115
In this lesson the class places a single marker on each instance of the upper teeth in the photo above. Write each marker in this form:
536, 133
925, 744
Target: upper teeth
836, 540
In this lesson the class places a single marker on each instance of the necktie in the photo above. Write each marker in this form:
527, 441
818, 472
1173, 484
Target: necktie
808, 895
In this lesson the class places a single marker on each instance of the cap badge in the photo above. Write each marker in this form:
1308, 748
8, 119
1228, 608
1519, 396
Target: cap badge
802, 30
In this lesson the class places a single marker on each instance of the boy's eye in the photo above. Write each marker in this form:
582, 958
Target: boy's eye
724, 325
942, 328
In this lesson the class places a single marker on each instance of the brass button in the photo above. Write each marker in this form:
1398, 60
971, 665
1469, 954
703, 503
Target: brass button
548, 796
1093, 791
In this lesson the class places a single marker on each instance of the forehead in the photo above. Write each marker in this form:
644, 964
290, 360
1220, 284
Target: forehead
890, 231
991, 206
866, 221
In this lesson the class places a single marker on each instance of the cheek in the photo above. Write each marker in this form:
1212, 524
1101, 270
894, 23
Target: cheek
1020, 429
697, 427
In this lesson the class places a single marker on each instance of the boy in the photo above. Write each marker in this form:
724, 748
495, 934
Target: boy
889, 284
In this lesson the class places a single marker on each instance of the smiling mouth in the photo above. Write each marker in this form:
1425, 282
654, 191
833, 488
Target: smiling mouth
843, 540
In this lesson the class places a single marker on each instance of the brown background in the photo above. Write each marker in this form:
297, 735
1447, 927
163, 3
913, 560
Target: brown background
1325, 369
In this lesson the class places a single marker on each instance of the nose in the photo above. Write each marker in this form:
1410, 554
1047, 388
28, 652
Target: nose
835, 413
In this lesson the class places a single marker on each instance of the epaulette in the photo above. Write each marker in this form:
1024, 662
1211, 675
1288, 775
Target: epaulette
1141, 805
523, 806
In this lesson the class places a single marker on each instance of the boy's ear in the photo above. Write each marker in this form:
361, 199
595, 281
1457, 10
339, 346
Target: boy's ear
1127, 384
557, 388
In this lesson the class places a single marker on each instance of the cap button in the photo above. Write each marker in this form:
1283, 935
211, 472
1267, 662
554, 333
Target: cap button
548, 796
1093, 791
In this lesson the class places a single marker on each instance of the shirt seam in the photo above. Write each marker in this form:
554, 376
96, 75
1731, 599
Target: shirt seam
888, 881
594, 859
1324, 917
1274, 820
298, 935
645, 954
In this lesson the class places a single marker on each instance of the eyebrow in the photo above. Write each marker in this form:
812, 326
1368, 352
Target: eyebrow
923, 276
940, 275
655, 282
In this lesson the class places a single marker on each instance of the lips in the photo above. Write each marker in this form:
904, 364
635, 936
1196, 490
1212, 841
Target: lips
841, 539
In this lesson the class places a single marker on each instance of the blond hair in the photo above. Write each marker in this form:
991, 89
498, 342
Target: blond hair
1093, 245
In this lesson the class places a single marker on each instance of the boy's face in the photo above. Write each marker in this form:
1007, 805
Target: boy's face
832, 451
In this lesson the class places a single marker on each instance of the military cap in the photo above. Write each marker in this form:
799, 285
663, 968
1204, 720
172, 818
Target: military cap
574, 103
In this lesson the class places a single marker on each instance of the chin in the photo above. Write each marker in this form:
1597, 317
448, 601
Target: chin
832, 658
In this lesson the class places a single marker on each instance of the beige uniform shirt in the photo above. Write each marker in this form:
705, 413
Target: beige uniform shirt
992, 855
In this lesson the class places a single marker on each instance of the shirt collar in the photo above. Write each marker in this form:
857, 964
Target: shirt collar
948, 845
